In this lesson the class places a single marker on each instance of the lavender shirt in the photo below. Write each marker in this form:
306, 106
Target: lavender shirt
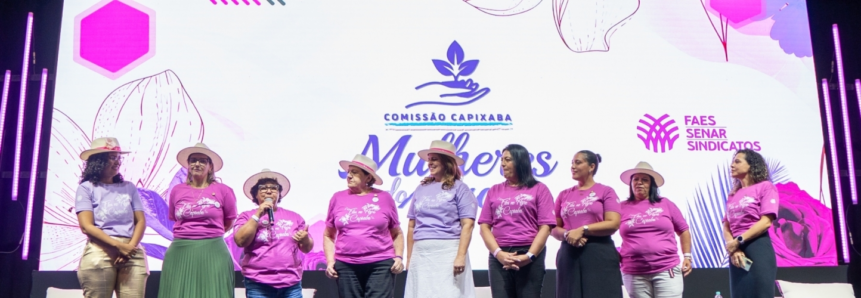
113, 206
438, 212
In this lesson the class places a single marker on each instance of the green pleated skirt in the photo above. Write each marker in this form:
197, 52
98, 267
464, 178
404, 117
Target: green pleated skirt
197, 268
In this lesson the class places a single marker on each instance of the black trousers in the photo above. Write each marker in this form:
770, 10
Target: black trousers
373, 280
759, 281
589, 271
524, 283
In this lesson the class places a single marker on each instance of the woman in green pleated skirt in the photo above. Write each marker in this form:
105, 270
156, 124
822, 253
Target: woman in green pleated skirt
197, 264
197, 268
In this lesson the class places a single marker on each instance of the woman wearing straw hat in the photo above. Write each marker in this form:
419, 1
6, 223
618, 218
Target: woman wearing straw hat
750, 209
515, 221
442, 216
363, 241
587, 214
110, 213
650, 223
197, 263
271, 263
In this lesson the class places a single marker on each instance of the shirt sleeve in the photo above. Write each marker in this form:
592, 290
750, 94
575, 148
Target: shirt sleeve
486, 216
545, 206
136, 198
83, 199
611, 201
229, 203
679, 222
557, 211
411, 211
467, 205
392, 211
330, 214
769, 199
241, 220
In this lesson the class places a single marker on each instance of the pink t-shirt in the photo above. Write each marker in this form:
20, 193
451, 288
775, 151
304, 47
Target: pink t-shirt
363, 225
577, 207
749, 204
273, 257
201, 213
649, 236
514, 214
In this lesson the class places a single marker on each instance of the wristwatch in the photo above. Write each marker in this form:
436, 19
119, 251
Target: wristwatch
739, 239
585, 229
531, 256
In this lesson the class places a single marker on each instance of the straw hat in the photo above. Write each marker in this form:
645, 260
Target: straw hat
266, 173
645, 168
443, 148
102, 145
365, 163
182, 156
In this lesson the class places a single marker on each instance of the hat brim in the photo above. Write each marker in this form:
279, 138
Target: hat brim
424, 155
182, 157
626, 176
345, 164
87, 153
282, 180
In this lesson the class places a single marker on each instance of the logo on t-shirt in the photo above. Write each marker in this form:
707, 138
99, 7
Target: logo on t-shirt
359, 215
114, 208
187, 210
640, 219
281, 229
427, 202
575, 208
736, 210
507, 206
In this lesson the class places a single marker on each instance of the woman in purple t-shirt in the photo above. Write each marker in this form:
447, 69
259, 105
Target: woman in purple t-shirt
442, 216
751, 207
650, 223
197, 263
586, 216
110, 213
273, 238
363, 241
515, 222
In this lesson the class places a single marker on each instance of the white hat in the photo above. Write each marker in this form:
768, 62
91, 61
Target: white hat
365, 163
102, 145
645, 168
266, 173
182, 156
441, 147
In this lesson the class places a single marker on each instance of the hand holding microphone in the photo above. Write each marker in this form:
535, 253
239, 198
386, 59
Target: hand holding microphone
271, 207
267, 205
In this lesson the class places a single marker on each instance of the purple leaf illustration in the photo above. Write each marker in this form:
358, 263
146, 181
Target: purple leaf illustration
235, 251
455, 53
156, 212
443, 67
467, 68
178, 178
154, 250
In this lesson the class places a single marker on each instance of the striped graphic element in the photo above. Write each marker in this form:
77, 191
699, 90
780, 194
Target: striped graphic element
246, 2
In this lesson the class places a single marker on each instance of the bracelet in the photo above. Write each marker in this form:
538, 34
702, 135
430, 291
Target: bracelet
255, 218
689, 255
399, 257
565, 235
496, 251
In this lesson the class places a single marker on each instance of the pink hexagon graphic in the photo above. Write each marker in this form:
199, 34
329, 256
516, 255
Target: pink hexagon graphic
114, 36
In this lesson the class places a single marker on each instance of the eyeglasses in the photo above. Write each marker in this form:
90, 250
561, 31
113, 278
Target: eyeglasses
200, 160
267, 187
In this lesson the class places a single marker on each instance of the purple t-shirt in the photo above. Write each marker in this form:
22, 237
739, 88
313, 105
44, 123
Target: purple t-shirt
113, 206
577, 207
749, 204
273, 257
363, 225
438, 212
649, 236
514, 214
201, 213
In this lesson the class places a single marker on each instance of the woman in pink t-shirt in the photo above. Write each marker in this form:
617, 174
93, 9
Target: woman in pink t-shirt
274, 239
586, 216
650, 223
442, 216
197, 263
111, 215
751, 207
515, 222
363, 241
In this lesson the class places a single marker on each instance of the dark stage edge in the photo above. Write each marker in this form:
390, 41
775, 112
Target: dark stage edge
701, 282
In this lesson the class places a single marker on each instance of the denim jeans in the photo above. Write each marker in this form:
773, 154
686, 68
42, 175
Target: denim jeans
258, 290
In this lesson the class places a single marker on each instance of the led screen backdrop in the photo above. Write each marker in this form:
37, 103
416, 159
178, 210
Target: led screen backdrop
296, 86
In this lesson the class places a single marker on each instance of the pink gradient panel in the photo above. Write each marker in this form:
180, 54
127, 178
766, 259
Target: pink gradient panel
34, 168
835, 169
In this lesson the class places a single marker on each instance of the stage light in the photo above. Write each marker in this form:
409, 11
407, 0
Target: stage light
5, 100
22, 102
835, 169
853, 191
34, 168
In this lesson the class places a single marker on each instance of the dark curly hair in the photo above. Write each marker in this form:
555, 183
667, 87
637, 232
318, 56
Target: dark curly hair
262, 181
758, 168
96, 164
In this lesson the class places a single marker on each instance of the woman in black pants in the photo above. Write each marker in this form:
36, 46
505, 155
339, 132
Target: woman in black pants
750, 209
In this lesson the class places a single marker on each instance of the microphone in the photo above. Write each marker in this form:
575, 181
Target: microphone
271, 214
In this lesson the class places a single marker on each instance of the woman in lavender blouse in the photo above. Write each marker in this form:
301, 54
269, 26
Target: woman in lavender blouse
110, 213
442, 217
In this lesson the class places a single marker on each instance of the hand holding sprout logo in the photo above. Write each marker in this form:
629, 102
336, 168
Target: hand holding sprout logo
456, 68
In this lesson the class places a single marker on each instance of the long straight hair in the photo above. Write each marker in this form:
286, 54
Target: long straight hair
522, 164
